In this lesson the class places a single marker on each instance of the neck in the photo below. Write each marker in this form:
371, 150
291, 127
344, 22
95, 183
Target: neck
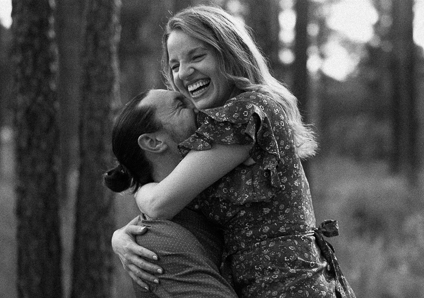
163, 165
236, 91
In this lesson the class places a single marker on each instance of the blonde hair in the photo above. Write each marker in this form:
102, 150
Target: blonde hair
240, 61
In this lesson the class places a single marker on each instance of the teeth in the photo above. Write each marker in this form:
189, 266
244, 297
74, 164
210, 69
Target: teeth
197, 85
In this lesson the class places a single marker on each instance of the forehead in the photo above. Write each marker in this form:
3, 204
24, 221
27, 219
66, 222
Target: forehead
181, 42
158, 98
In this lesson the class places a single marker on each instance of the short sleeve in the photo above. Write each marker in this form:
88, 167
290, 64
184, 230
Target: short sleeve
251, 118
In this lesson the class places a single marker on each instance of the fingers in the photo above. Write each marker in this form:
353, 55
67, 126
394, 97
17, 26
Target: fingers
141, 277
135, 259
135, 230
141, 251
133, 221
132, 228
139, 257
138, 281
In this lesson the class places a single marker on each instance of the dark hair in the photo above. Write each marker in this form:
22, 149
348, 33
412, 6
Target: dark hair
133, 170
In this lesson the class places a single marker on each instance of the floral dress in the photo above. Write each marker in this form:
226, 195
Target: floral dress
272, 246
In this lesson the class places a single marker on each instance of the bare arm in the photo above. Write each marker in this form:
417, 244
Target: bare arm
133, 256
197, 171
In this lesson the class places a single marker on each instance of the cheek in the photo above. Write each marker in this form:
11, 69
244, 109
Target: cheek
190, 123
177, 81
181, 89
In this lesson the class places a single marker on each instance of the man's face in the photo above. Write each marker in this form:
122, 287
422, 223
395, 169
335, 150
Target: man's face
174, 111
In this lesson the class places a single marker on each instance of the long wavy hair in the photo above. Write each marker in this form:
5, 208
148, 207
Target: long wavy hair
240, 61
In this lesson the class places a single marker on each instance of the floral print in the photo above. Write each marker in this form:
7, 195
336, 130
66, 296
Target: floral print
265, 209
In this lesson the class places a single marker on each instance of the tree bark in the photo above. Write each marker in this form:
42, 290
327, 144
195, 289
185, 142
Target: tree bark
300, 75
263, 19
37, 135
140, 48
92, 261
405, 158
69, 17
69, 39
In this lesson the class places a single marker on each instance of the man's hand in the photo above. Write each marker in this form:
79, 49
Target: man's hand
133, 256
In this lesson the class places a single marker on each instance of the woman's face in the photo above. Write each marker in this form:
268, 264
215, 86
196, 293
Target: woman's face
195, 71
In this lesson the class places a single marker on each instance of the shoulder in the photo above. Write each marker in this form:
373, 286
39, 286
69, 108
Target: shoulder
253, 97
251, 101
242, 107
254, 102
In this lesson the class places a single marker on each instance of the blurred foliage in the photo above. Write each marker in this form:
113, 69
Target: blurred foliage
382, 225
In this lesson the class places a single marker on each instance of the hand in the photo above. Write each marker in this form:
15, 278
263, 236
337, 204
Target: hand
133, 256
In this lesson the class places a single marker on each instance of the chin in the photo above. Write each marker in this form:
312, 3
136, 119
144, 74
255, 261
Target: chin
205, 103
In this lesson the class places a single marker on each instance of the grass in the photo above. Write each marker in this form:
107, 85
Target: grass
381, 245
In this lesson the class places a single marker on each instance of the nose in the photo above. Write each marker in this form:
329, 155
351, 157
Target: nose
185, 71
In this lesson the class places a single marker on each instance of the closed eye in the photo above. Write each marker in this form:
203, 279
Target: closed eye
175, 67
180, 101
198, 57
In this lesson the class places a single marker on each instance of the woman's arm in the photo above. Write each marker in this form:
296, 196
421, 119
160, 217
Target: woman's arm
133, 256
197, 171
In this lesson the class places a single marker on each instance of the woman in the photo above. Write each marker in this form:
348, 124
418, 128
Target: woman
252, 144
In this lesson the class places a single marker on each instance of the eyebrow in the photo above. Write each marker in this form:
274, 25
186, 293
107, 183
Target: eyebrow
191, 52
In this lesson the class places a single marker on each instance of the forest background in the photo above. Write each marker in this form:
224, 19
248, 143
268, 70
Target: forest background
356, 66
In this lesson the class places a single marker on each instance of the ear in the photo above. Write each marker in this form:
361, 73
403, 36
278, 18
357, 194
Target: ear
151, 142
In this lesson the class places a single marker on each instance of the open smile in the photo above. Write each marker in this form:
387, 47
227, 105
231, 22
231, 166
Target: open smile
198, 88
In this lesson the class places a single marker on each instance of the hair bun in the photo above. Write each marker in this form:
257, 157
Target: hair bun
117, 179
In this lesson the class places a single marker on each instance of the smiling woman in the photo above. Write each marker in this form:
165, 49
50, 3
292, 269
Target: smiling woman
195, 70
241, 169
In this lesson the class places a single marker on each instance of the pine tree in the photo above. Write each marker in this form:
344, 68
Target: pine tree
92, 260
37, 133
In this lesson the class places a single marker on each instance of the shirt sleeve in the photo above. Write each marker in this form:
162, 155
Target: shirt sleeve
251, 118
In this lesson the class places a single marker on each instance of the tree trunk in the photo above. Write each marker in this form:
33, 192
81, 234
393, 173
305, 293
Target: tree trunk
69, 16
69, 39
300, 75
404, 105
140, 48
93, 263
37, 135
263, 19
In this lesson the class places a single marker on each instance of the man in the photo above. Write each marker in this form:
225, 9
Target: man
189, 264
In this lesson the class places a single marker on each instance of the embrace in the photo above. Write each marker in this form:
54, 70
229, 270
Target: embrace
215, 166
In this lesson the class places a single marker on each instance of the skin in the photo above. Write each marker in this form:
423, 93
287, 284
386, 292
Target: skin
197, 171
195, 71
192, 62
175, 112
177, 115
